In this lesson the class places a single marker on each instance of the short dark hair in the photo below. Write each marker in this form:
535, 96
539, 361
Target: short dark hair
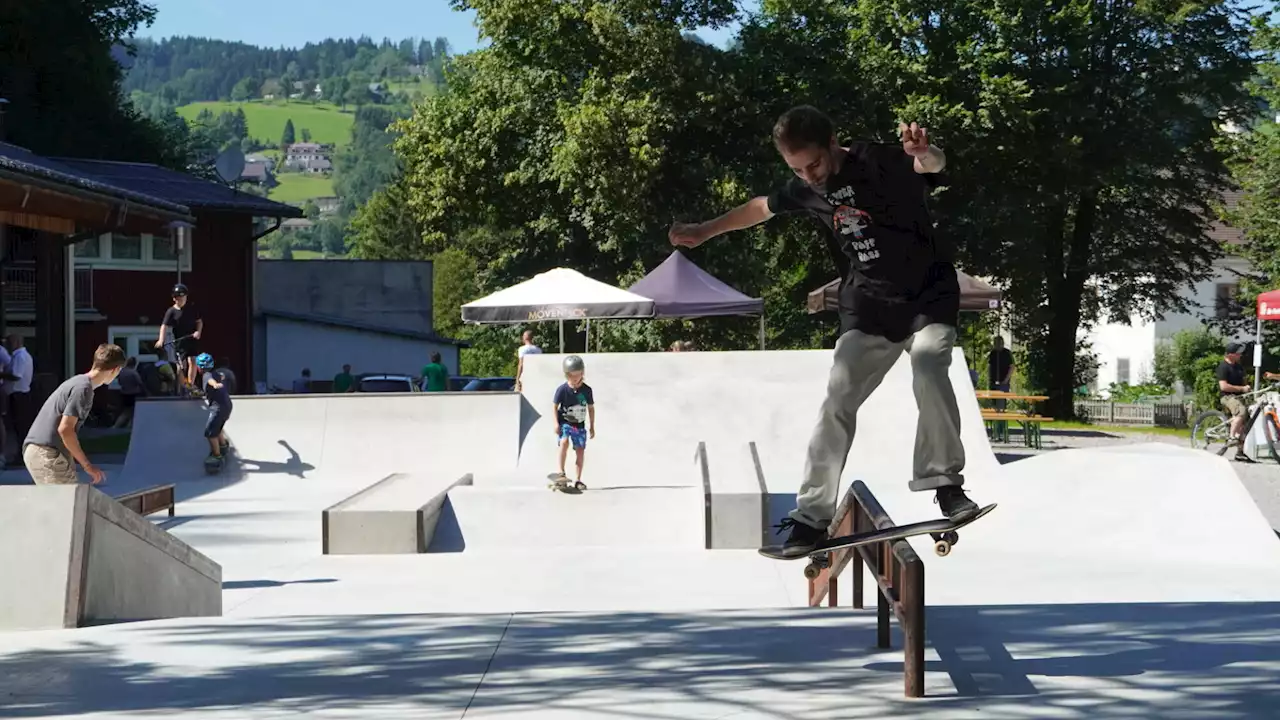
435, 357
802, 126
108, 357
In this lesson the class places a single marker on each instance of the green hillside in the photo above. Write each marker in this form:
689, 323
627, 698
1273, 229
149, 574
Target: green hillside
266, 118
295, 188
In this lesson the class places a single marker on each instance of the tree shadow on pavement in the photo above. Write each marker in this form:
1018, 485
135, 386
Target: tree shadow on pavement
1069, 661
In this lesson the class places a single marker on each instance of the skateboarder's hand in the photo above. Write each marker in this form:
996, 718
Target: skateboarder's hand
96, 476
915, 139
687, 234
593, 433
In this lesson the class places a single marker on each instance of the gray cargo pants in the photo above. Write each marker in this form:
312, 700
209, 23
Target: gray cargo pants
861, 361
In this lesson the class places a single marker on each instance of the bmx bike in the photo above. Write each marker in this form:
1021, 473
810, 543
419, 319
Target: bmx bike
181, 386
1212, 428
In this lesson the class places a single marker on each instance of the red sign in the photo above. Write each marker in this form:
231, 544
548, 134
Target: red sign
1269, 305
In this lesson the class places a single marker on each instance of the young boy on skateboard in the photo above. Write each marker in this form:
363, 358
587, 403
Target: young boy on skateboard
575, 404
218, 399
900, 293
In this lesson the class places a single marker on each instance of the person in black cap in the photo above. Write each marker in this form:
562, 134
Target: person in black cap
1231, 383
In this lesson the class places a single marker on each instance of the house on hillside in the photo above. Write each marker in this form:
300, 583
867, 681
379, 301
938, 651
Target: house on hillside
123, 278
308, 157
321, 314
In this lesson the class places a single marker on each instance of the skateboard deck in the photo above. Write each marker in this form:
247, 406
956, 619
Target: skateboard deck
942, 530
562, 484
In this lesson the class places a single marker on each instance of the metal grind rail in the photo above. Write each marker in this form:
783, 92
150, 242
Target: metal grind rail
897, 569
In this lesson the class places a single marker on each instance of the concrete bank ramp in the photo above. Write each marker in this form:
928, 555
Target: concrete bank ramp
364, 437
71, 556
752, 413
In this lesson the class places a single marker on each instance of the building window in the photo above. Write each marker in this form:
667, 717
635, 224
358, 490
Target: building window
114, 251
1224, 301
1122, 371
136, 340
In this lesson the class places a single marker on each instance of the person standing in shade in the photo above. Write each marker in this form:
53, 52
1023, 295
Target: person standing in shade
23, 368
526, 348
999, 369
435, 378
52, 447
1232, 385
344, 382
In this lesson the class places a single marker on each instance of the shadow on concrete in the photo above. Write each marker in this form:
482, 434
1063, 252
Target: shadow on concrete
529, 416
294, 466
448, 535
1070, 662
255, 584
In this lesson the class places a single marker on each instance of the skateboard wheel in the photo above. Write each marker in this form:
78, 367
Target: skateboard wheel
580, 485
942, 547
812, 571
952, 537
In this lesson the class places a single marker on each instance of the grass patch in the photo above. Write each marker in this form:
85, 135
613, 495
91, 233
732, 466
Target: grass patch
299, 187
266, 118
1118, 429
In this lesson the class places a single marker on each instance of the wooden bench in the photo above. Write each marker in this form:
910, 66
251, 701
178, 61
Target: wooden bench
1030, 424
149, 500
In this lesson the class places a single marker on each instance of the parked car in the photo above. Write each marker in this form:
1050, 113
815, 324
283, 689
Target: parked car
457, 382
385, 383
491, 384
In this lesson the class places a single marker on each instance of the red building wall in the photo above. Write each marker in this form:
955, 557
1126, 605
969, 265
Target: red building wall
220, 284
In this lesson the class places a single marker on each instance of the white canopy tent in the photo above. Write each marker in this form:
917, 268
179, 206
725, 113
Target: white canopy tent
560, 294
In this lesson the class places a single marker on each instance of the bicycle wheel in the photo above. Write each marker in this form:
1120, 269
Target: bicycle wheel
1270, 425
1212, 427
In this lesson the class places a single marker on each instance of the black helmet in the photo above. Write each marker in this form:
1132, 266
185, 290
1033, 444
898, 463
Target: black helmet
573, 363
179, 290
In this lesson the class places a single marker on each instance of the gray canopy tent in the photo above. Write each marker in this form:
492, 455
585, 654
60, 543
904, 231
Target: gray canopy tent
681, 289
975, 296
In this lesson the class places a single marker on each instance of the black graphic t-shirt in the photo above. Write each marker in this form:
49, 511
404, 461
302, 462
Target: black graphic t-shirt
897, 274
1233, 373
571, 404
181, 320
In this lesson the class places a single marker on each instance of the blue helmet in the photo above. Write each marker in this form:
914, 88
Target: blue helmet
204, 361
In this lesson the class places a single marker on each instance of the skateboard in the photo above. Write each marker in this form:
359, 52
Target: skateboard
564, 485
212, 465
942, 530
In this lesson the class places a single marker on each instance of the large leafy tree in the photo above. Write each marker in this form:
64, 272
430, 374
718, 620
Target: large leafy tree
576, 138
60, 70
1081, 138
1255, 152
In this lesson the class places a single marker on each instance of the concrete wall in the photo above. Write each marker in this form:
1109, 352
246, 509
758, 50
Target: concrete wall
71, 556
292, 345
387, 294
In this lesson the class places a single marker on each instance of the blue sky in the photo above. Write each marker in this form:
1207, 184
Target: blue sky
273, 23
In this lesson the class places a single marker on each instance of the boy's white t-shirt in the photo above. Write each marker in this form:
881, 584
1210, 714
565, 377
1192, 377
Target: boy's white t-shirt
528, 350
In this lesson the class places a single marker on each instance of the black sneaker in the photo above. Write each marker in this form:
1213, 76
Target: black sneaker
1241, 457
802, 540
955, 504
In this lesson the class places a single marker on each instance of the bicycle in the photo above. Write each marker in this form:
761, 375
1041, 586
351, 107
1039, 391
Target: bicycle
182, 386
1216, 425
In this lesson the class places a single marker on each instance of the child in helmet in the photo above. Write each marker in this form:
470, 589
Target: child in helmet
574, 407
218, 399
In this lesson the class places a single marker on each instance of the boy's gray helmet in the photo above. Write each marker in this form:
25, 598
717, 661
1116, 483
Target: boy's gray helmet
573, 363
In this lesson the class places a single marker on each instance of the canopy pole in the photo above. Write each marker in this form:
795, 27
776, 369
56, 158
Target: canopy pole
762, 329
562, 336
1257, 359
588, 345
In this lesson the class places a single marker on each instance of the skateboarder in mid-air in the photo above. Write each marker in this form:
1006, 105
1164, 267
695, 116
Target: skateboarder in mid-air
575, 405
899, 294
218, 399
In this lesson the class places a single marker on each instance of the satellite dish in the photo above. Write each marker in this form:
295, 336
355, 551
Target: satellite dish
230, 164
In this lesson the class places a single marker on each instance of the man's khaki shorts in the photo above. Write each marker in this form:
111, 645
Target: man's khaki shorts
49, 466
1234, 405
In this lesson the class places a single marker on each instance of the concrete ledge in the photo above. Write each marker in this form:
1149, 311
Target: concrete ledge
737, 504
395, 516
71, 556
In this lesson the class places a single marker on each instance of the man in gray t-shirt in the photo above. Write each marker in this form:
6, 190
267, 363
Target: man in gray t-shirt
53, 441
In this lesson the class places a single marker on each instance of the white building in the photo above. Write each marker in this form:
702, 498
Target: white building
1126, 352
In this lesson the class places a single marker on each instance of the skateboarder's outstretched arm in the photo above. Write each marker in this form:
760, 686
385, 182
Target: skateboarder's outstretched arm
748, 214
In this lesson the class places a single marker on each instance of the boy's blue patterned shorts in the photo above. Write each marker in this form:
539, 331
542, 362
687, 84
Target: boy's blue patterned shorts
577, 435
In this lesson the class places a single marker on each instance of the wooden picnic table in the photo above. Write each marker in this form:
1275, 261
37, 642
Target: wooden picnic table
997, 420
1001, 395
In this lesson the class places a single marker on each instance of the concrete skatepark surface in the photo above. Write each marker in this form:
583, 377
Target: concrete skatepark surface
1140, 582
